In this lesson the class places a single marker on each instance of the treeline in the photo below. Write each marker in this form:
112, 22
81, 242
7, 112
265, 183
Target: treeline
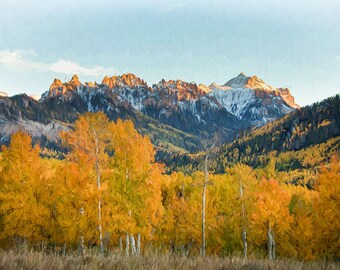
314, 128
304, 127
109, 195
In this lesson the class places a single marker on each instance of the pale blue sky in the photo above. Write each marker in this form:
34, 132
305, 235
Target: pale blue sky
287, 43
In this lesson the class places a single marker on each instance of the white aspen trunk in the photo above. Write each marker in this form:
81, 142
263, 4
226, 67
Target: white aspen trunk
64, 249
245, 243
121, 244
82, 247
274, 248
133, 245
100, 226
203, 205
81, 244
42, 245
203, 220
127, 247
271, 244
138, 244
244, 231
101, 245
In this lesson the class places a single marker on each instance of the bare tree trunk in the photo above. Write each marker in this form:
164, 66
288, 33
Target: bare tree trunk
127, 247
121, 244
244, 231
64, 249
206, 174
82, 247
274, 248
271, 244
133, 245
81, 244
138, 244
203, 220
245, 243
42, 245
203, 205
100, 199
100, 226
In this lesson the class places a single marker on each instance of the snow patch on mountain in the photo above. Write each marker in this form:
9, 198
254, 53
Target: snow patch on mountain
133, 96
234, 100
244, 81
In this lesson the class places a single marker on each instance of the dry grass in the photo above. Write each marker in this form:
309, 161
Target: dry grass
38, 260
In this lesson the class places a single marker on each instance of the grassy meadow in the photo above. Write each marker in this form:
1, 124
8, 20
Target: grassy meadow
32, 260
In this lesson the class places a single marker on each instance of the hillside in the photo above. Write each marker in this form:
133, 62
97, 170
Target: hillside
308, 126
312, 130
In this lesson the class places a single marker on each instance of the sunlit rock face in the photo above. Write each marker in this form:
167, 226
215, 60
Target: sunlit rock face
194, 111
288, 98
3, 94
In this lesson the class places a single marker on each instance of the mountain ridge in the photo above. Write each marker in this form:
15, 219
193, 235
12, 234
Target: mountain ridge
187, 110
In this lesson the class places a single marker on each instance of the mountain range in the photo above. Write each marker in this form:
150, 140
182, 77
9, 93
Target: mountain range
180, 117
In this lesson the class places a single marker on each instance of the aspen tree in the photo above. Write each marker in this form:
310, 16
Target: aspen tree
88, 143
327, 211
135, 188
270, 217
24, 191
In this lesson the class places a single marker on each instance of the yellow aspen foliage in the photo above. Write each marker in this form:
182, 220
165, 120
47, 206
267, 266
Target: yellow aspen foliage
302, 229
327, 212
87, 163
74, 214
24, 191
181, 226
133, 202
270, 209
109, 188
236, 203
222, 215
302, 238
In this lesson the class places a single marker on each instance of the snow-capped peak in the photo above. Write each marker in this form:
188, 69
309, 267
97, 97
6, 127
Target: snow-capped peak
246, 96
244, 81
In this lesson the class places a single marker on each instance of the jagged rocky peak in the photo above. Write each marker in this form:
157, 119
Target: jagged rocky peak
91, 84
56, 84
75, 80
244, 81
60, 88
181, 89
109, 81
3, 94
126, 80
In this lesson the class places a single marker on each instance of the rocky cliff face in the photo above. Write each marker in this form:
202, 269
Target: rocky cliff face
191, 113
288, 98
